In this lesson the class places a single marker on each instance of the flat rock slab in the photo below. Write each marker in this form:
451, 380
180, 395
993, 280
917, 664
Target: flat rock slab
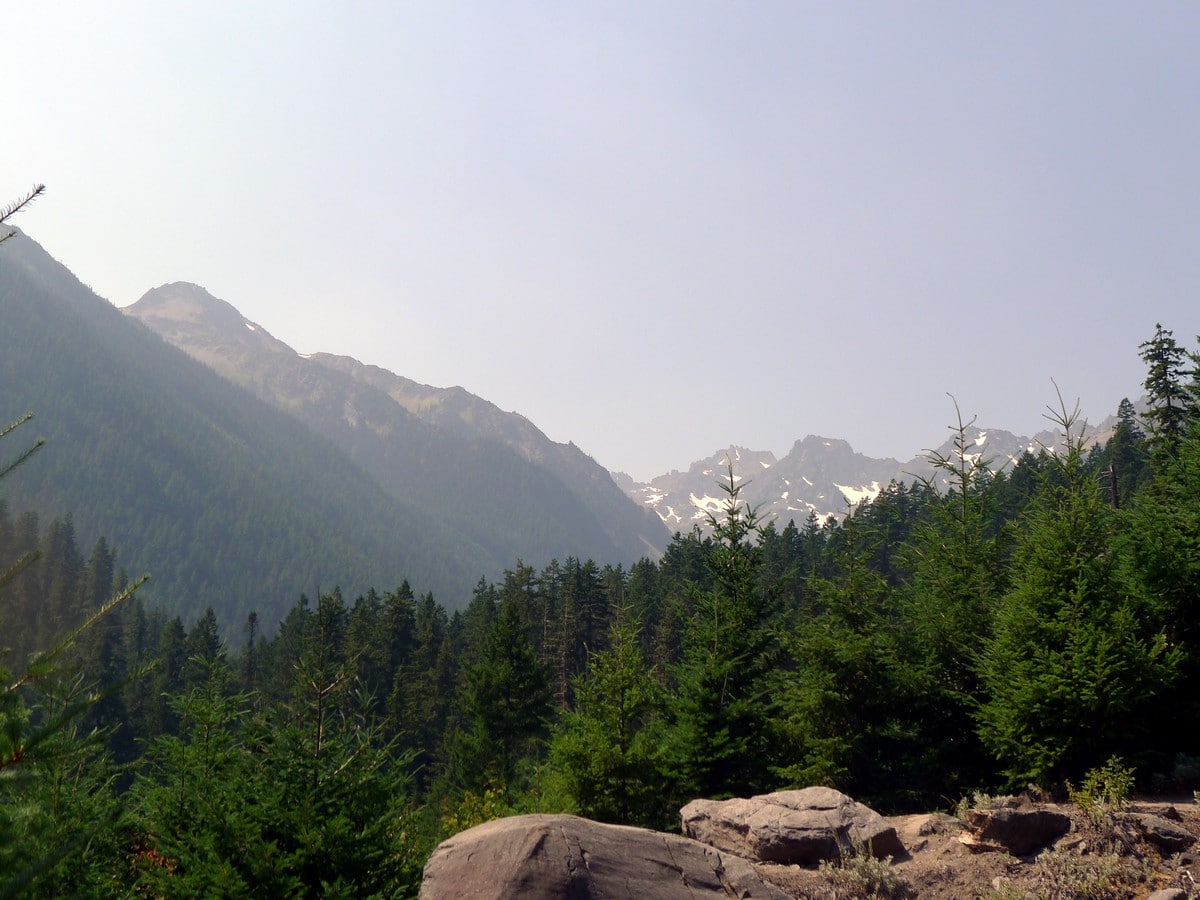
792, 827
545, 857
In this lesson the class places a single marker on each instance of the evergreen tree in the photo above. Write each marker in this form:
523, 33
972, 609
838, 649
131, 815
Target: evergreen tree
944, 620
1162, 542
250, 656
719, 738
505, 706
306, 798
1171, 402
102, 653
1123, 459
56, 788
204, 649
1074, 663
844, 704
419, 702
607, 750
57, 798
61, 582
192, 832
167, 679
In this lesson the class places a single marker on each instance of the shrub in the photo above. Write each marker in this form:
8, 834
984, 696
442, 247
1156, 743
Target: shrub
1105, 788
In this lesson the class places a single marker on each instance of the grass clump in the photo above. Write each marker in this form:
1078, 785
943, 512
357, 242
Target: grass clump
1063, 875
857, 875
981, 800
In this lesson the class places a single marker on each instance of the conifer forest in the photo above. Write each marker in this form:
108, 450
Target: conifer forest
1002, 624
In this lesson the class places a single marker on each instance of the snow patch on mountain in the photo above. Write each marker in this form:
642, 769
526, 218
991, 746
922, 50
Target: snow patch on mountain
705, 505
819, 477
855, 496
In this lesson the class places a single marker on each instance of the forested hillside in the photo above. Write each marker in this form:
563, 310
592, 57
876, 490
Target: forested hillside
1022, 626
229, 502
503, 483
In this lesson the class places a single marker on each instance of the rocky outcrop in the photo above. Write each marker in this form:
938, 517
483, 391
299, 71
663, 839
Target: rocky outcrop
548, 857
1019, 831
1168, 836
938, 857
805, 826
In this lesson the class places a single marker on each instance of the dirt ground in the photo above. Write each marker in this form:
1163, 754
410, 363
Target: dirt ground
1099, 858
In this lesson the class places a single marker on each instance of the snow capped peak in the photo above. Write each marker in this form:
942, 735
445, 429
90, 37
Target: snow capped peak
821, 476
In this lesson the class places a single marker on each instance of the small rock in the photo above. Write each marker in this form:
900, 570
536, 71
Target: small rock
1169, 894
1072, 842
975, 845
938, 823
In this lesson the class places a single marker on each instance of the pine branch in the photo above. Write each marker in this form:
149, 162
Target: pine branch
42, 664
16, 206
25, 454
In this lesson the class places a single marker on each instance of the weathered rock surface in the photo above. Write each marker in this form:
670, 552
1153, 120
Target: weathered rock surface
1163, 833
915, 831
1019, 831
805, 826
545, 857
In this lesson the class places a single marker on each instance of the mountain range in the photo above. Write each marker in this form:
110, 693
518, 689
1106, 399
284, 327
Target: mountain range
339, 397
243, 474
506, 485
245, 502
821, 476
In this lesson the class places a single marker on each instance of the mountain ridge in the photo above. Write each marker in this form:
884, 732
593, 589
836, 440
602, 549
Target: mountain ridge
819, 476
519, 494
228, 502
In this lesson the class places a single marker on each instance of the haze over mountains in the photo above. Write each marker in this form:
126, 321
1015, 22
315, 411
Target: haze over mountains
233, 502
337, 395
511, 488
818, 476
242, 474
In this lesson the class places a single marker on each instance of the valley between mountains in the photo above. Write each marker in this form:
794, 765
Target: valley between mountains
340, 398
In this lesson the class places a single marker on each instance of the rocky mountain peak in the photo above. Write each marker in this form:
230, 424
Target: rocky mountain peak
472, 459
819, 476
208, 328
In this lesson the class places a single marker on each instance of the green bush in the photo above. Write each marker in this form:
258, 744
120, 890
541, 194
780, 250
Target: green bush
1107, 787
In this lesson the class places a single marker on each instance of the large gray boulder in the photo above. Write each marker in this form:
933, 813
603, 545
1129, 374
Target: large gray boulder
805, 826
544, 857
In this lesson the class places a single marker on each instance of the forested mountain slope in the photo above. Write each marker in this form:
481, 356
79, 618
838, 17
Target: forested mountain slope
493, 473
226, 500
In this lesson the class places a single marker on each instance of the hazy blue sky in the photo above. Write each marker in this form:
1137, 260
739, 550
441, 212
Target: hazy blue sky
653, 228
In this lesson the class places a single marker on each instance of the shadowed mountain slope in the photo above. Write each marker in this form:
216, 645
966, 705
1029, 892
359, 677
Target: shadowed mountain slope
492, 473
226, 500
